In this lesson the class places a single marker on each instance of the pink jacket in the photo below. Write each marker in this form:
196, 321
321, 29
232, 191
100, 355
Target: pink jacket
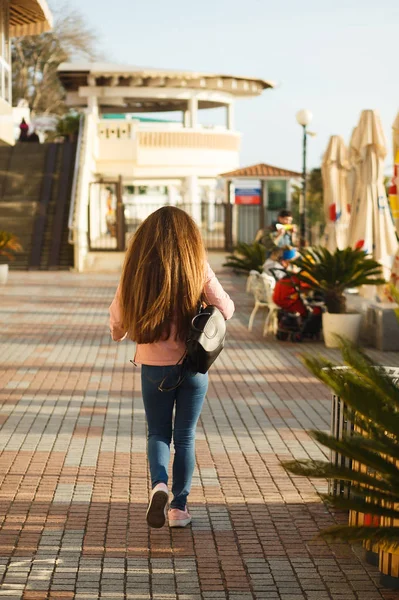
170, 351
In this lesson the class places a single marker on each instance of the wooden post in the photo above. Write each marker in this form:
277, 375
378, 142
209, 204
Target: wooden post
120, 217
228, 219
263, 200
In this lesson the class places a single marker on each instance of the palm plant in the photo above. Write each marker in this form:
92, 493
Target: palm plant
394, 292
247, 257
374, 396
333, 273
9, 244
68, 126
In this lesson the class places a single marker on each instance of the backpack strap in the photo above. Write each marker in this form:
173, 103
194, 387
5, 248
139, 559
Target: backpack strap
183, 373
183, 360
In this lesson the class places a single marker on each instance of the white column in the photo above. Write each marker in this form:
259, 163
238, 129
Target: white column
193, 111
172, 195
234, 219
187, 119
92, 104
265, 201
230, 116
211, 211
193, 198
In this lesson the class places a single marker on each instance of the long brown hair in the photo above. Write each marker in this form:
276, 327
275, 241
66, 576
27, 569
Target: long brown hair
163, 276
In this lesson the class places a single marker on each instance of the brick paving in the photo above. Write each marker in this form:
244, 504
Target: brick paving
74, 478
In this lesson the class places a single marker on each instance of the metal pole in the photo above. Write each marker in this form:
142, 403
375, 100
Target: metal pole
302, 216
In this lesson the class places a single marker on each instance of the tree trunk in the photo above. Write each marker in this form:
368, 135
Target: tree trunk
335, 302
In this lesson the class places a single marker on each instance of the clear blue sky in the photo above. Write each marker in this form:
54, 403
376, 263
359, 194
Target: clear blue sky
335, 58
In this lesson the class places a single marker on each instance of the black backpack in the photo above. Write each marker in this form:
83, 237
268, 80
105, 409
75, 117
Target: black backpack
205, 339
204, 343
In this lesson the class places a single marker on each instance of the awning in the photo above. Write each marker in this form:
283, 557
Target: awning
29, 17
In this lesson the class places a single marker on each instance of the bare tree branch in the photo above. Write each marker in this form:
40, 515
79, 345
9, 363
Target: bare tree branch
36, 59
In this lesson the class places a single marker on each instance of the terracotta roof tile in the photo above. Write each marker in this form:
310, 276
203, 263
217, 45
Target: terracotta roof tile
261, 170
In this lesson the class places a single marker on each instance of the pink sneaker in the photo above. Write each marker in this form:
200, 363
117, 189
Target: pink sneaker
178, 518
156, 512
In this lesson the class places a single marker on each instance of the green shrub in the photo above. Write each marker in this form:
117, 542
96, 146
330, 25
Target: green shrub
247, 257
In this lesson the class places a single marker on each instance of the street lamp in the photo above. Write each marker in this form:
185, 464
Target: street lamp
304, 118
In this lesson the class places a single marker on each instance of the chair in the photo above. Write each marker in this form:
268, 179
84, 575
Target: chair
263, 293
251, 281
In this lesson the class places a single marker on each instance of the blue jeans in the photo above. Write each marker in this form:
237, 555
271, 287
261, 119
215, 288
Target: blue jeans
188, 400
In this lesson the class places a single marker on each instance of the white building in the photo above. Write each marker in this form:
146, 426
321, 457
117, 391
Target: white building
129, 164
17, 18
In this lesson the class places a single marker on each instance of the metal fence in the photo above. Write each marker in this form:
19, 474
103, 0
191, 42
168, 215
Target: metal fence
106, 222
211, 220
113, 219
114, 216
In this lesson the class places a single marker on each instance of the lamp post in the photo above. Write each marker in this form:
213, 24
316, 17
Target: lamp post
304, 118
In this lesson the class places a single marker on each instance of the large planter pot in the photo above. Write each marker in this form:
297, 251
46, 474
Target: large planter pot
3, 274
346, 325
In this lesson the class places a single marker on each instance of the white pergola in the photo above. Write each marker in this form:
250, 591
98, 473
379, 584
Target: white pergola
113, 88
29, 17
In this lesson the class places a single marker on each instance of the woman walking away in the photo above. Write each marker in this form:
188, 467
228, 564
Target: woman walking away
165, 277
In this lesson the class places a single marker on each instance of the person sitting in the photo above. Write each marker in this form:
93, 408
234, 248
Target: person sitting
33, 137
275, 265
281, 234
287, 295
283, 231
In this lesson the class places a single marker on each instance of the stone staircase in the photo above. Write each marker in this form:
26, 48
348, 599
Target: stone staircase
35, 192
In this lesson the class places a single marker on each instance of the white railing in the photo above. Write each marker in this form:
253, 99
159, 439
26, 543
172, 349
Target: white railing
76, 169
84, 176
168, 135
115, 130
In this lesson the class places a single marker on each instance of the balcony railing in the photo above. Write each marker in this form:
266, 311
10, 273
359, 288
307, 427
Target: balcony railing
161, 135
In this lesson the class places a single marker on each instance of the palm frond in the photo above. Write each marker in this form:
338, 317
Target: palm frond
333, 273
386, 537
247, 257
324, 470
350, 448
372, 396
9, 244
361, 505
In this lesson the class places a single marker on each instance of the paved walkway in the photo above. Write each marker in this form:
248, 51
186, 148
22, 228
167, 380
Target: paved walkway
74, 481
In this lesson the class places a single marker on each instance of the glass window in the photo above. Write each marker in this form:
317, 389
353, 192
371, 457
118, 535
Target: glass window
5, 70
277, 194
6, 52
2, 25
7, 85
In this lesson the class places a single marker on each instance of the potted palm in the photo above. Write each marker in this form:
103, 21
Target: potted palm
331, 274
9, 244
372, 392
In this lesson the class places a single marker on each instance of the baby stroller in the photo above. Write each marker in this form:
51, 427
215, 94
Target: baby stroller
297, 319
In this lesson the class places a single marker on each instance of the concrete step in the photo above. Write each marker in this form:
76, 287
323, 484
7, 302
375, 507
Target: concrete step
21, 188
104, 262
